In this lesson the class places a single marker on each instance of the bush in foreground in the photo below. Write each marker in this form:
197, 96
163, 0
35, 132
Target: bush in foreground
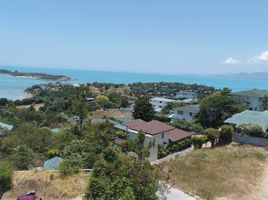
198, 140
5, 178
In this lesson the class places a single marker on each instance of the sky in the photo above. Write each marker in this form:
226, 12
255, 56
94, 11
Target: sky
152, 36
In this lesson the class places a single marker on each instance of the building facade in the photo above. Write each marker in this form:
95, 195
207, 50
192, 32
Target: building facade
156, 133
187, 113
159, 103
251, 98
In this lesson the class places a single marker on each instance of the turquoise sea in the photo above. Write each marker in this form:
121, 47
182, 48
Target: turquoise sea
13, 87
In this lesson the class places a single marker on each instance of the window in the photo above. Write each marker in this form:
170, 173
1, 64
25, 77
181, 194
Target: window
191, 114
162, 135
180, 112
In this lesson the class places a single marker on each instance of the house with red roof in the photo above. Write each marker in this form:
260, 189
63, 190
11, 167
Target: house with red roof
156, 133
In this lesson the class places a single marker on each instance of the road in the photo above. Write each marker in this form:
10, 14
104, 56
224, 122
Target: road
176, 194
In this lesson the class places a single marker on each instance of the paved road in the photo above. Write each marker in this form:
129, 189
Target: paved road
176, 194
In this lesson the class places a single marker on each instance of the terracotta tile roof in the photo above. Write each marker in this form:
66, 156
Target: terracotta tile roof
153, 127
135, 123
178, 134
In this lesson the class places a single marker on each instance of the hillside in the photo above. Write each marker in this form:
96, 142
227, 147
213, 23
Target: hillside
47, 185
224, 173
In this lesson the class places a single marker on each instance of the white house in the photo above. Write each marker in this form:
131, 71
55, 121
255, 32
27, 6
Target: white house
187, 94
187, 113
159, 103
156, 133
252, 98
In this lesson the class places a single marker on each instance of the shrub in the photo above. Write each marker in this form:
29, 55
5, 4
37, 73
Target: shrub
251, 130
198, 140
213, 135
162, 151
226, 134
5, 178
188, 126
162, 118
21, 157
67, 169
179, 146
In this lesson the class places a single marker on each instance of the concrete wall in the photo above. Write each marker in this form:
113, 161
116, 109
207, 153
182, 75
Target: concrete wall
256, 141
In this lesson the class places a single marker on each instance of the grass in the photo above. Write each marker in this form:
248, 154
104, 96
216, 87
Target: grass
220, 172
115, 113
48, 185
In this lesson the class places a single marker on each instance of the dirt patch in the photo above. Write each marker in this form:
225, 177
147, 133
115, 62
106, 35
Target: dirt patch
47, 185
35, 106
108, 113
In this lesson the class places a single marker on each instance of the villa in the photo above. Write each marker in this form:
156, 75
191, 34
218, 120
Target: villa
252, 98
187, 113
159, 103
156, 133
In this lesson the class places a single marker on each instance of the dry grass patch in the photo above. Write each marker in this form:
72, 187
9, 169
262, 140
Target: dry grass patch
219, 172
48, 185
112, 113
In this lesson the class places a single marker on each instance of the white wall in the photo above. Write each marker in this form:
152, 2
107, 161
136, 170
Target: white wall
158, 104
156, 140
254, 103
185, 116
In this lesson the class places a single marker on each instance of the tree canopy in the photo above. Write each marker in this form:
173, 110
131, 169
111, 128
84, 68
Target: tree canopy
143, 109
216, 108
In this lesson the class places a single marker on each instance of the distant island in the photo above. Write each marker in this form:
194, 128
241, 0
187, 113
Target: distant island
35, 75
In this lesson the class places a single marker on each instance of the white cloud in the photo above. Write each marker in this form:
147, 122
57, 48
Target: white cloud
230, 61
261, 58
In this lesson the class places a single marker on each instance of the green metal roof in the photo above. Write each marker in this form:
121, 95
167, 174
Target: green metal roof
53, 163
6, 126
250, 117
252, 93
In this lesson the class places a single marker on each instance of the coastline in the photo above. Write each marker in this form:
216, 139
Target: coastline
36, 75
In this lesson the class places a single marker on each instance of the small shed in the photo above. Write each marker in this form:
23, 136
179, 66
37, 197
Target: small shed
53, 163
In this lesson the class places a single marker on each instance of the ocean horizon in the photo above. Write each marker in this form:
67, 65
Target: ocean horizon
13, 87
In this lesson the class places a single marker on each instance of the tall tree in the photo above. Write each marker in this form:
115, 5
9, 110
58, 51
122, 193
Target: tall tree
117, 176
5, 178
143, 109
80, 106
217, 107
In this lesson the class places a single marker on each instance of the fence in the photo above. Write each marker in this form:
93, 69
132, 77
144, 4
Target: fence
256, 141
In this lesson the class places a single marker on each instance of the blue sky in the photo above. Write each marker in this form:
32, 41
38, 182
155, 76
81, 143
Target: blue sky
156, 36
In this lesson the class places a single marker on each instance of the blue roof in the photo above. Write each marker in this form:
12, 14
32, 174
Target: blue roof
53, 163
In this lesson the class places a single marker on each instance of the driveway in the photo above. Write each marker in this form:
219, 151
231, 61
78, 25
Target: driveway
175, 194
